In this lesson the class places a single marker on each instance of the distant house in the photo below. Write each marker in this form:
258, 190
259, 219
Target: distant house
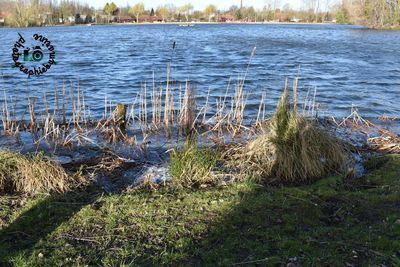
248, 20
101, 18
3, 17
226, 18
150, 19
126, 19
71, 19
46, 18
295, 20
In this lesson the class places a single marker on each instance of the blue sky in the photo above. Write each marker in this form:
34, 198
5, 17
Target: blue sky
198, 4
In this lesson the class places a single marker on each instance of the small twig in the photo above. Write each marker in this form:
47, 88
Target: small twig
81, 239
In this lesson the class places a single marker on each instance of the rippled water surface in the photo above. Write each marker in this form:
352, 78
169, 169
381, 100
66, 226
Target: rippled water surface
347, 64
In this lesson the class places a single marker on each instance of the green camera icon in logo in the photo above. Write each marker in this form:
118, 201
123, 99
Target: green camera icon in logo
35, 55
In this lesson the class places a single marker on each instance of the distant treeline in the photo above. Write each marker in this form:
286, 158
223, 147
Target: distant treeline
373, 13
379, 14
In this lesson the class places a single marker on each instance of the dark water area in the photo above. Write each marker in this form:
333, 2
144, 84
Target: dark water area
348, 65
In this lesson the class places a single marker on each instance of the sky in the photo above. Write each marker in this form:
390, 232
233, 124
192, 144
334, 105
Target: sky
198, 4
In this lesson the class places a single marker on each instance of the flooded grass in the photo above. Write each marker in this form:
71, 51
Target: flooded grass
164, 110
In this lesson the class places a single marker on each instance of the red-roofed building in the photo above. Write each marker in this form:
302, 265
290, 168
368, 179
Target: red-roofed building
148, 18
125, 19
226, 18
3, 17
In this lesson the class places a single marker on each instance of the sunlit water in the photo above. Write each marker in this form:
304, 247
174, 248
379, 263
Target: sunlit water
348, 65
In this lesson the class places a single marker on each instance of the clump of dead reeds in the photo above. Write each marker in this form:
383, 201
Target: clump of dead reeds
62, 118
187, 112
387, 142
293, 150
33, 174
191, 167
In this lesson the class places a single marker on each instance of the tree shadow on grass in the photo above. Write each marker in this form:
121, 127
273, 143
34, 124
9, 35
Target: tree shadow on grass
255, 232
324, 224
39, 221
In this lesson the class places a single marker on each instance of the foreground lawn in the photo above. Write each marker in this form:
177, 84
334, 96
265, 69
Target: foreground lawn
333, 222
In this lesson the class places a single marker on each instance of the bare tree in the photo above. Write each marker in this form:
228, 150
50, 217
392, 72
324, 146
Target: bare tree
186, 9
374, 13
137, 10
210, 11
22, 16
312, 7
163, 12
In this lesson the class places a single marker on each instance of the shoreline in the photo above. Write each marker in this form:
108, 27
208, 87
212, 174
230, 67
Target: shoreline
152, 208
208, 23
180, 23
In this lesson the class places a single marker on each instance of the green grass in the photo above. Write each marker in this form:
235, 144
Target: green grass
191, 166
330, 223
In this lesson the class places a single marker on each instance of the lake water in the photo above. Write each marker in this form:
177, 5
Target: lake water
348, 65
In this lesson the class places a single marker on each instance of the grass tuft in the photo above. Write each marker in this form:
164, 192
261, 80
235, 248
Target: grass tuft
292, 151
33, 174
191, 167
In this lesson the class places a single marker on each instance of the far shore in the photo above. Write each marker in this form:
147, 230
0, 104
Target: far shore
215, 23
190, 23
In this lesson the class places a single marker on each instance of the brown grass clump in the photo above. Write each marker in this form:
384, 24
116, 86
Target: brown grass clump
33, 174
293, 150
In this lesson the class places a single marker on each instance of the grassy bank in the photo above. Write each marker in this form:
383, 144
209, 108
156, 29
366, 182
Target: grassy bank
331, 222
225, 206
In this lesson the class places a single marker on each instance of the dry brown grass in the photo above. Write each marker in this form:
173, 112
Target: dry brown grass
292, 150
34, 174
187, 112
387, 142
